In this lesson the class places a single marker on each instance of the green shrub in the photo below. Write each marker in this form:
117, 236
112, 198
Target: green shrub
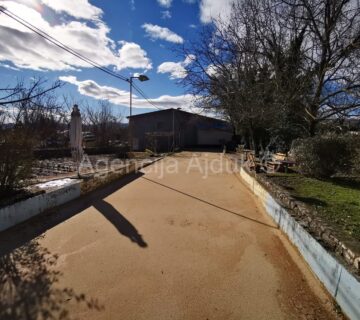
356, 160
326, 155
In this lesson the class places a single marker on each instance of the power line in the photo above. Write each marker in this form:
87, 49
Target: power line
59, 44
142, 93
68, 49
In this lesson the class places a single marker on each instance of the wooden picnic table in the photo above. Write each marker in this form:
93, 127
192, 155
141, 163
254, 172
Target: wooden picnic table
246, 152
287, 164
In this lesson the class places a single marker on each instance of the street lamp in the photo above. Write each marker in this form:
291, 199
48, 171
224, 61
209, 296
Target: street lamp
142, 78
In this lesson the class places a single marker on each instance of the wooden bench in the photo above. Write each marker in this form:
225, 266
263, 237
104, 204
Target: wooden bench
252, 162
279, 156
240, 148
279, 163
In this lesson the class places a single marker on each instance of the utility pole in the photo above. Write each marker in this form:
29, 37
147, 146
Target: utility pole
142, 78
173, 129
131, 81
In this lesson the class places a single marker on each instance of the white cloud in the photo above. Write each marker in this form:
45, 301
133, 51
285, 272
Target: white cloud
165, 14
213, 9
184, 102
120, 97
132, 5
7, 66
26, 49
79, 9
211, 70
165, 3
132, 56
216, 71
91, 89
157, 32
176, 69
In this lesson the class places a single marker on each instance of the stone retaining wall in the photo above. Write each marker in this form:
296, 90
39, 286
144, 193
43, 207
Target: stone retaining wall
314, 225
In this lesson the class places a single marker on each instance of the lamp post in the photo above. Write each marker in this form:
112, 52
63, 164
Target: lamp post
142, 78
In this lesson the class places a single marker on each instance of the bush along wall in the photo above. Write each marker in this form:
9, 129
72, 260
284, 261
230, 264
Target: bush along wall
326, 155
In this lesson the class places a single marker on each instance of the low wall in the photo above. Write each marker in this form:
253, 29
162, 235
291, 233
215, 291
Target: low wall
24, 210
339, 282
49, 153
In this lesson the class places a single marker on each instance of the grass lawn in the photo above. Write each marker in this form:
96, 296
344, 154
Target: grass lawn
337, 201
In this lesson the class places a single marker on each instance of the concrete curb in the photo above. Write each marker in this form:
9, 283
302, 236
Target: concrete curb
338, 281
26, 209
102, 179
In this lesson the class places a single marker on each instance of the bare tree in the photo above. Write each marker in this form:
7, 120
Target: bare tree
332, 52
313, 48
239, 68
3, 117
30, 118
279, 67
41, 114
102, 121
22, 93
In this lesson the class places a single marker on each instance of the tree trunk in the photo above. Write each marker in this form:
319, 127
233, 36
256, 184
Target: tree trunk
312, 127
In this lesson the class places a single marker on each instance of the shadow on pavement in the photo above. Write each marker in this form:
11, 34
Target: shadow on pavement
28, 278
32, 228
119, 222
28, 290
211, 204
17, 236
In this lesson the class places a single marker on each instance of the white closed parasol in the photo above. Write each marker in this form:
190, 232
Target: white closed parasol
76, 136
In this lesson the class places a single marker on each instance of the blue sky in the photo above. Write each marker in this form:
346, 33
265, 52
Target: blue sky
128, 36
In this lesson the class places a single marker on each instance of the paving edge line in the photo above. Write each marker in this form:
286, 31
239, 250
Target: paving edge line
337, 280
21, 211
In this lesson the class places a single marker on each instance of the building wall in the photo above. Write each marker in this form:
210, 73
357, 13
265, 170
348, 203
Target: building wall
152, 122
213, 137
189, 130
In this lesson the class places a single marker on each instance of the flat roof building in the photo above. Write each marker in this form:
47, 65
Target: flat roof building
169, 129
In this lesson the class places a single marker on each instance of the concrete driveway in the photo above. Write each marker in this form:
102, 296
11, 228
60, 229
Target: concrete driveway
178, 240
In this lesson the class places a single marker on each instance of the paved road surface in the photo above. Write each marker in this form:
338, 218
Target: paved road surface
152, 247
